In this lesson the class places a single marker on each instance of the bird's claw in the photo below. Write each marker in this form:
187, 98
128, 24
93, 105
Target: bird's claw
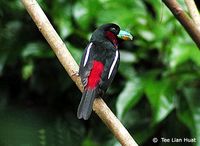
75, 74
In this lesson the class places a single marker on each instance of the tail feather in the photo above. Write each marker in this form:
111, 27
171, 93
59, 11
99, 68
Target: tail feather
85, 106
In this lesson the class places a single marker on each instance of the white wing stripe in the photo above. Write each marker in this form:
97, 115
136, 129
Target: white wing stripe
113, 64
87, 54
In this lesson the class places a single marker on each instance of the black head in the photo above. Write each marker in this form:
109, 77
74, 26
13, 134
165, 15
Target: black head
106, 32
110, 32
110, 27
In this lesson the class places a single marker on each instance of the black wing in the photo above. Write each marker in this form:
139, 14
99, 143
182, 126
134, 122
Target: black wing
109, 57
92, 52
110, 70
86, 63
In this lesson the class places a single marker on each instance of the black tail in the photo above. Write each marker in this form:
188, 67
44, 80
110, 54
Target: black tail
85, 106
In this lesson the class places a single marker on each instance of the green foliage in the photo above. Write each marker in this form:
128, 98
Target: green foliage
130, 95
155, 93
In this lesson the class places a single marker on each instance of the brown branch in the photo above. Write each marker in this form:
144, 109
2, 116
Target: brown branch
71, 67
183, 18
194, 13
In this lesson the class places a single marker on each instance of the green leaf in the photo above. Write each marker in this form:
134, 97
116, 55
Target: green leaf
130, 95
189, 111
127, 57
85, 12
138, 119
195, 54
62, 17
161, 96
126, 12
127, 71
147, 35
182, 52
162, 12
179, 55
36, 49
88, 142
27, 70
76, 53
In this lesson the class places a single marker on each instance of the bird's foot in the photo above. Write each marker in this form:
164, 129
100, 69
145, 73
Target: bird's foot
75, 74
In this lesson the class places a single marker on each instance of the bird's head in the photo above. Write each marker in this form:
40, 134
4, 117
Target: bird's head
112, 33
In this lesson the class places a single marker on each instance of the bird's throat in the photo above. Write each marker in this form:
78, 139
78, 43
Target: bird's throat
112, 38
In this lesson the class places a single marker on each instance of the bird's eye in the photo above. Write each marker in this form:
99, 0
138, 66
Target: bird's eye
113, 29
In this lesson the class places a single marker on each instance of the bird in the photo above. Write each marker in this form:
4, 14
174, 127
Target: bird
99, 64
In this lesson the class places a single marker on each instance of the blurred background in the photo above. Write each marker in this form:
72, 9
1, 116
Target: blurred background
155, 92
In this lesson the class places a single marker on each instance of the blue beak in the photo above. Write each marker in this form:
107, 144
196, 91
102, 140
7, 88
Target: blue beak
125, 35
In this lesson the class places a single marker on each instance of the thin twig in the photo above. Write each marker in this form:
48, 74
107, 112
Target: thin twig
184, 19
194, 13
71, 67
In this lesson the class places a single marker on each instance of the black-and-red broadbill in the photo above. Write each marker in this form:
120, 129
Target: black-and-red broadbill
99, 65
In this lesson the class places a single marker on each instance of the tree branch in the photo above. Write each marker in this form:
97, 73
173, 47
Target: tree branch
71, 67
183, 18
194, 13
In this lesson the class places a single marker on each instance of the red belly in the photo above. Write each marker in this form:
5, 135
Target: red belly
95, 74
